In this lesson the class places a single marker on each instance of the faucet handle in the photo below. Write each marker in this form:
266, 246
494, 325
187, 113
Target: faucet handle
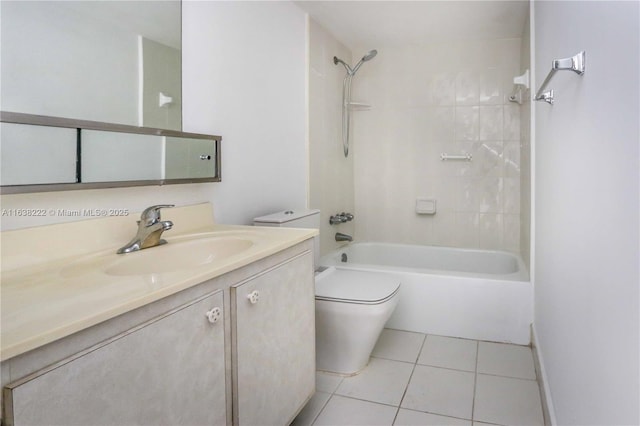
151, 215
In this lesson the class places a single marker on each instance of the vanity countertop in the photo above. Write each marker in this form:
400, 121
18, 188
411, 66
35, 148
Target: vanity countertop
45, 298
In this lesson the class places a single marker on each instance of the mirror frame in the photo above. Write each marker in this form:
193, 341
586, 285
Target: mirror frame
42, 120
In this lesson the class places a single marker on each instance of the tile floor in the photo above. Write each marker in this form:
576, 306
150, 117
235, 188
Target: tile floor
417, 379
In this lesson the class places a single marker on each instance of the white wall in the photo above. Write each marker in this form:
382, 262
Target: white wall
587, 212
330, 173
244, 77
447, 97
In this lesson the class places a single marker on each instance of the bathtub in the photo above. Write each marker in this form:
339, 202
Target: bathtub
473, 294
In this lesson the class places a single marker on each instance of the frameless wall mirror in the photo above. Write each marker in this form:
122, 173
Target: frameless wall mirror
41, 153
107, 61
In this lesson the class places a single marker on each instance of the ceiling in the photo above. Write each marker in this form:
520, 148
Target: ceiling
397, 23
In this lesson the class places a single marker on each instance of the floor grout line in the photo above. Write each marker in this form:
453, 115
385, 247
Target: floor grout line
438, 414
475, 382
333, 392
321, 410
367, 400
406, 388
415, 363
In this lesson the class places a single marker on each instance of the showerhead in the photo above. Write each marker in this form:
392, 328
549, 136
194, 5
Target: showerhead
370, 55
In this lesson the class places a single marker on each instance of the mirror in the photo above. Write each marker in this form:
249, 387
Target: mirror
107, 61
51, 154
91, 93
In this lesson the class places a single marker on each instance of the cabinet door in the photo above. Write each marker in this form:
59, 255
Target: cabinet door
169, 370
274, 343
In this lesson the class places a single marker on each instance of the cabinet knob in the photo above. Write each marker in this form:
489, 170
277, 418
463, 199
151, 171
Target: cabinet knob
213, 315
253, 297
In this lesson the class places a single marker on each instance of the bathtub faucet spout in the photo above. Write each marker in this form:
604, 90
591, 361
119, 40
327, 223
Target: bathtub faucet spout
343, 237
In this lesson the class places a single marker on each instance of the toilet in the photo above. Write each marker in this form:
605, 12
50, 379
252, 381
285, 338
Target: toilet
352, 307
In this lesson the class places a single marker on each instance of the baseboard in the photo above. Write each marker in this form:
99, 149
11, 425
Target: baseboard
545, 393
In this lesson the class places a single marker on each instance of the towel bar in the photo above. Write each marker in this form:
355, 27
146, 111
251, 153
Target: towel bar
574, 63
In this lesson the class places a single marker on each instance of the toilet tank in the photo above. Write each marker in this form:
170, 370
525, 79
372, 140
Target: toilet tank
301, 218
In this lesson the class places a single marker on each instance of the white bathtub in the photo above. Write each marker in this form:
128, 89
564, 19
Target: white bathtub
474, 294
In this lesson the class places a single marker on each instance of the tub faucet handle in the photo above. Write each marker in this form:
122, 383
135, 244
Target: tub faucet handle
340, 218
337, 219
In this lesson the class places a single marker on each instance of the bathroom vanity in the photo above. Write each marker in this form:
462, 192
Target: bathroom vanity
223, 338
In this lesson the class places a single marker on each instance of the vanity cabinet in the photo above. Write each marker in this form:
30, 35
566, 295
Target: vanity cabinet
273, 344
236, 349
169, 370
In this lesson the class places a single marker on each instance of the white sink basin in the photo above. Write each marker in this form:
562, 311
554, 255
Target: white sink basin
177, 255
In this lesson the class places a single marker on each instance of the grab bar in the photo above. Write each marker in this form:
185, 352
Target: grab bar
466, 157
574, 63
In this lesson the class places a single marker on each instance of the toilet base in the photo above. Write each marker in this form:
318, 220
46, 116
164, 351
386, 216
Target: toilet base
346, 334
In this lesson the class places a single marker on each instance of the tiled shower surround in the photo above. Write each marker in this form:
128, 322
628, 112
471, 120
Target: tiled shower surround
427, 100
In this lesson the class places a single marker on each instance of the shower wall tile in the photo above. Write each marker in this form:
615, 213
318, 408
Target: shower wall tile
490, 87
467, 88
467, 195
443, 88
524, 153
512, 122
442, 123
444, 230
512, 159
490, 232
446, 194
511, 195
524, 170
490, 159
428, 100
490, 194
466, 231
467, 123
511, 231
491, 123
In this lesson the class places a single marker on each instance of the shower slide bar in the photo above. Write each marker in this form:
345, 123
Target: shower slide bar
574, 63
446, 157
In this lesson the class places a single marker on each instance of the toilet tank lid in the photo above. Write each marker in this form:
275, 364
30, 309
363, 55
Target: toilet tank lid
285, 216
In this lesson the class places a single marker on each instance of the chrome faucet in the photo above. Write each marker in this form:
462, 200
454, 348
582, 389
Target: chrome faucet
340, 218
150, 228
343, 237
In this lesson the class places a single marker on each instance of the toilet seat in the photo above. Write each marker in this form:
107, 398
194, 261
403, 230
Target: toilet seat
360, 287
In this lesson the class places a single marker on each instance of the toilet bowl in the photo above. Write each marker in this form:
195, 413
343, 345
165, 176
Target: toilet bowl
352, 308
